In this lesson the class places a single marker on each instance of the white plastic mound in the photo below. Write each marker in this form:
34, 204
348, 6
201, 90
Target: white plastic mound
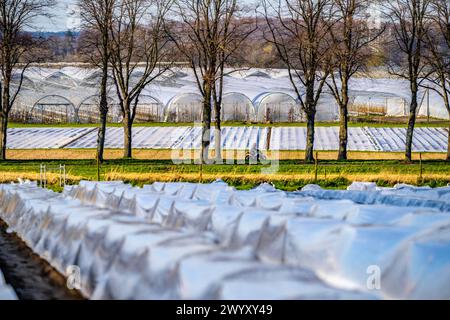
6, 292
362, 186
194, 241
400, 195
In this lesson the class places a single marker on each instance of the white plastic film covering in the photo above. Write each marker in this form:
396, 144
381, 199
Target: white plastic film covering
233, 138
194, 241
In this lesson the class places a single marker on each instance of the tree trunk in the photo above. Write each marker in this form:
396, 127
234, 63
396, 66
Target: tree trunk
218, 133
206, 125
5, 100
309, 156
411, 124
3, 133
343, 123
103, 112
101, 136
127, 127
448, 143
343, 133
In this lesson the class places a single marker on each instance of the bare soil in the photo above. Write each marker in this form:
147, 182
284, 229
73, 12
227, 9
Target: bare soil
31, 277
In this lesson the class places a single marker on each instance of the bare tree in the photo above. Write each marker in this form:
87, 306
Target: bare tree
438, 53
97, 21
409, 26
351, 37
138, 43
232, 30
299, 29
17, 51
207, 36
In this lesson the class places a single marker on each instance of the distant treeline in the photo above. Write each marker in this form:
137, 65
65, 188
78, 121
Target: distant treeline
67, 46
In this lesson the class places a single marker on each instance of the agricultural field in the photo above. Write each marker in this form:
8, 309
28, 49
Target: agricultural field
224, 155
371, 139
243, 226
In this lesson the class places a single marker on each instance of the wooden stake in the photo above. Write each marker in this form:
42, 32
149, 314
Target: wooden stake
316, 169
421, 168
98, 167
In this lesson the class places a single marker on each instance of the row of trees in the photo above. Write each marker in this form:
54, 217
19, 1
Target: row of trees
131, 34
124, 37
16, 47
322, 43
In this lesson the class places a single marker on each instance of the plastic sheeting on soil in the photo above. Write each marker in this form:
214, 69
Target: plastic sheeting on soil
143, 138
45, 138
6, 292
193, 241
361, 139
425, 139
233, 138
236, 138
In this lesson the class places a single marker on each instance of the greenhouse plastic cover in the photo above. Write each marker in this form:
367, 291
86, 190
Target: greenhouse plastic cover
233, 138
194, 241
77, 84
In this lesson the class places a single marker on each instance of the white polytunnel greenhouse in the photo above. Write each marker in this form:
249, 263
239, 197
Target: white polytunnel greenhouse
237, 107
89, 111
92, 80
377, 104
327, 108
171, 79
277, 107
149, 109
61, 79
186, 107
26, 81
54, 95
21, 107
52, 109
259, 74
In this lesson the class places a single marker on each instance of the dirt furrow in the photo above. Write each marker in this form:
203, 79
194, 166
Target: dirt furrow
31, 277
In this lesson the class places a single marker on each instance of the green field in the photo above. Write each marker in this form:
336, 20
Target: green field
291, 175
386, 169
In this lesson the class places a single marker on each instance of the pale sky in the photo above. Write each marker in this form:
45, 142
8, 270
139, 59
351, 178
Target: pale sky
64, 17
